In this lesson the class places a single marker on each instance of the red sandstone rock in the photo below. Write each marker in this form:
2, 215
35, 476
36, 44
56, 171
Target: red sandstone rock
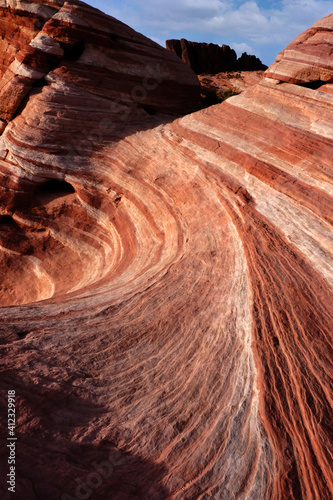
167, 288
61, 38
308, 59
219, 87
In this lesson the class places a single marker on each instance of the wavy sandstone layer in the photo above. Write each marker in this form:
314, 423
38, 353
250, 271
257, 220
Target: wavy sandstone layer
167, 287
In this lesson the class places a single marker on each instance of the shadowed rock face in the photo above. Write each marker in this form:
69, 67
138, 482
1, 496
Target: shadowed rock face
167, 287
91, 50
209, 58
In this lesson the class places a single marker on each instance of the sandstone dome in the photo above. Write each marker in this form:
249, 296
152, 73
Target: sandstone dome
166, 273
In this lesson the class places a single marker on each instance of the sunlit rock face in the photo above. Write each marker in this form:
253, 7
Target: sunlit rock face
308, 59
166, 283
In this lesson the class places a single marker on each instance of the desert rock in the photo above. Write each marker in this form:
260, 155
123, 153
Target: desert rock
210, 58
166, 283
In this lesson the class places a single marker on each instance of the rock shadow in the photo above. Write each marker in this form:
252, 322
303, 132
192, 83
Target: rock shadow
53, 459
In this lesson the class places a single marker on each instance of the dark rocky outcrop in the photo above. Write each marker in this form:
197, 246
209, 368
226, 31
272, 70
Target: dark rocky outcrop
247, 62
210, 58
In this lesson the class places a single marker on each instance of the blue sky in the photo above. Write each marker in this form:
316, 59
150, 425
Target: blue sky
262, 28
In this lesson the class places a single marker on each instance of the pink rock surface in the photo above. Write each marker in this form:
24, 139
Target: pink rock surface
237, 81
166, 284
308, 58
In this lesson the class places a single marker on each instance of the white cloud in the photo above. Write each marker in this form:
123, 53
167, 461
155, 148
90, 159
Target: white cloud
226, 18
243, 47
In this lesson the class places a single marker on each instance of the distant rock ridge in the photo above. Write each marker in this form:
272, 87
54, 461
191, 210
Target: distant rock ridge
210, 58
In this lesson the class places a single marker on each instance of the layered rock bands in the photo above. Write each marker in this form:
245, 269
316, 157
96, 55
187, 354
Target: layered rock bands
166, 281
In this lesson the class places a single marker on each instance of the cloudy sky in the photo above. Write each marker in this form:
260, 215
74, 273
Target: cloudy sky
262, 28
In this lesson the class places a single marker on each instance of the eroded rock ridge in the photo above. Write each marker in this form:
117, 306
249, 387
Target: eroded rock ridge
211, 58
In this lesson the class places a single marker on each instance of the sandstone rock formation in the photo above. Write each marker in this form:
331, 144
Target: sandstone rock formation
308, 59
58, 38
247, 62
211, 58
166, 287
219, 87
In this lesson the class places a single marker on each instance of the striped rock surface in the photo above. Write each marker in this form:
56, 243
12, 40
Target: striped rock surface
166, 283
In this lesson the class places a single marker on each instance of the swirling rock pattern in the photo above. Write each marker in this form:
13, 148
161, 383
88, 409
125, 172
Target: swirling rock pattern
167, 287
